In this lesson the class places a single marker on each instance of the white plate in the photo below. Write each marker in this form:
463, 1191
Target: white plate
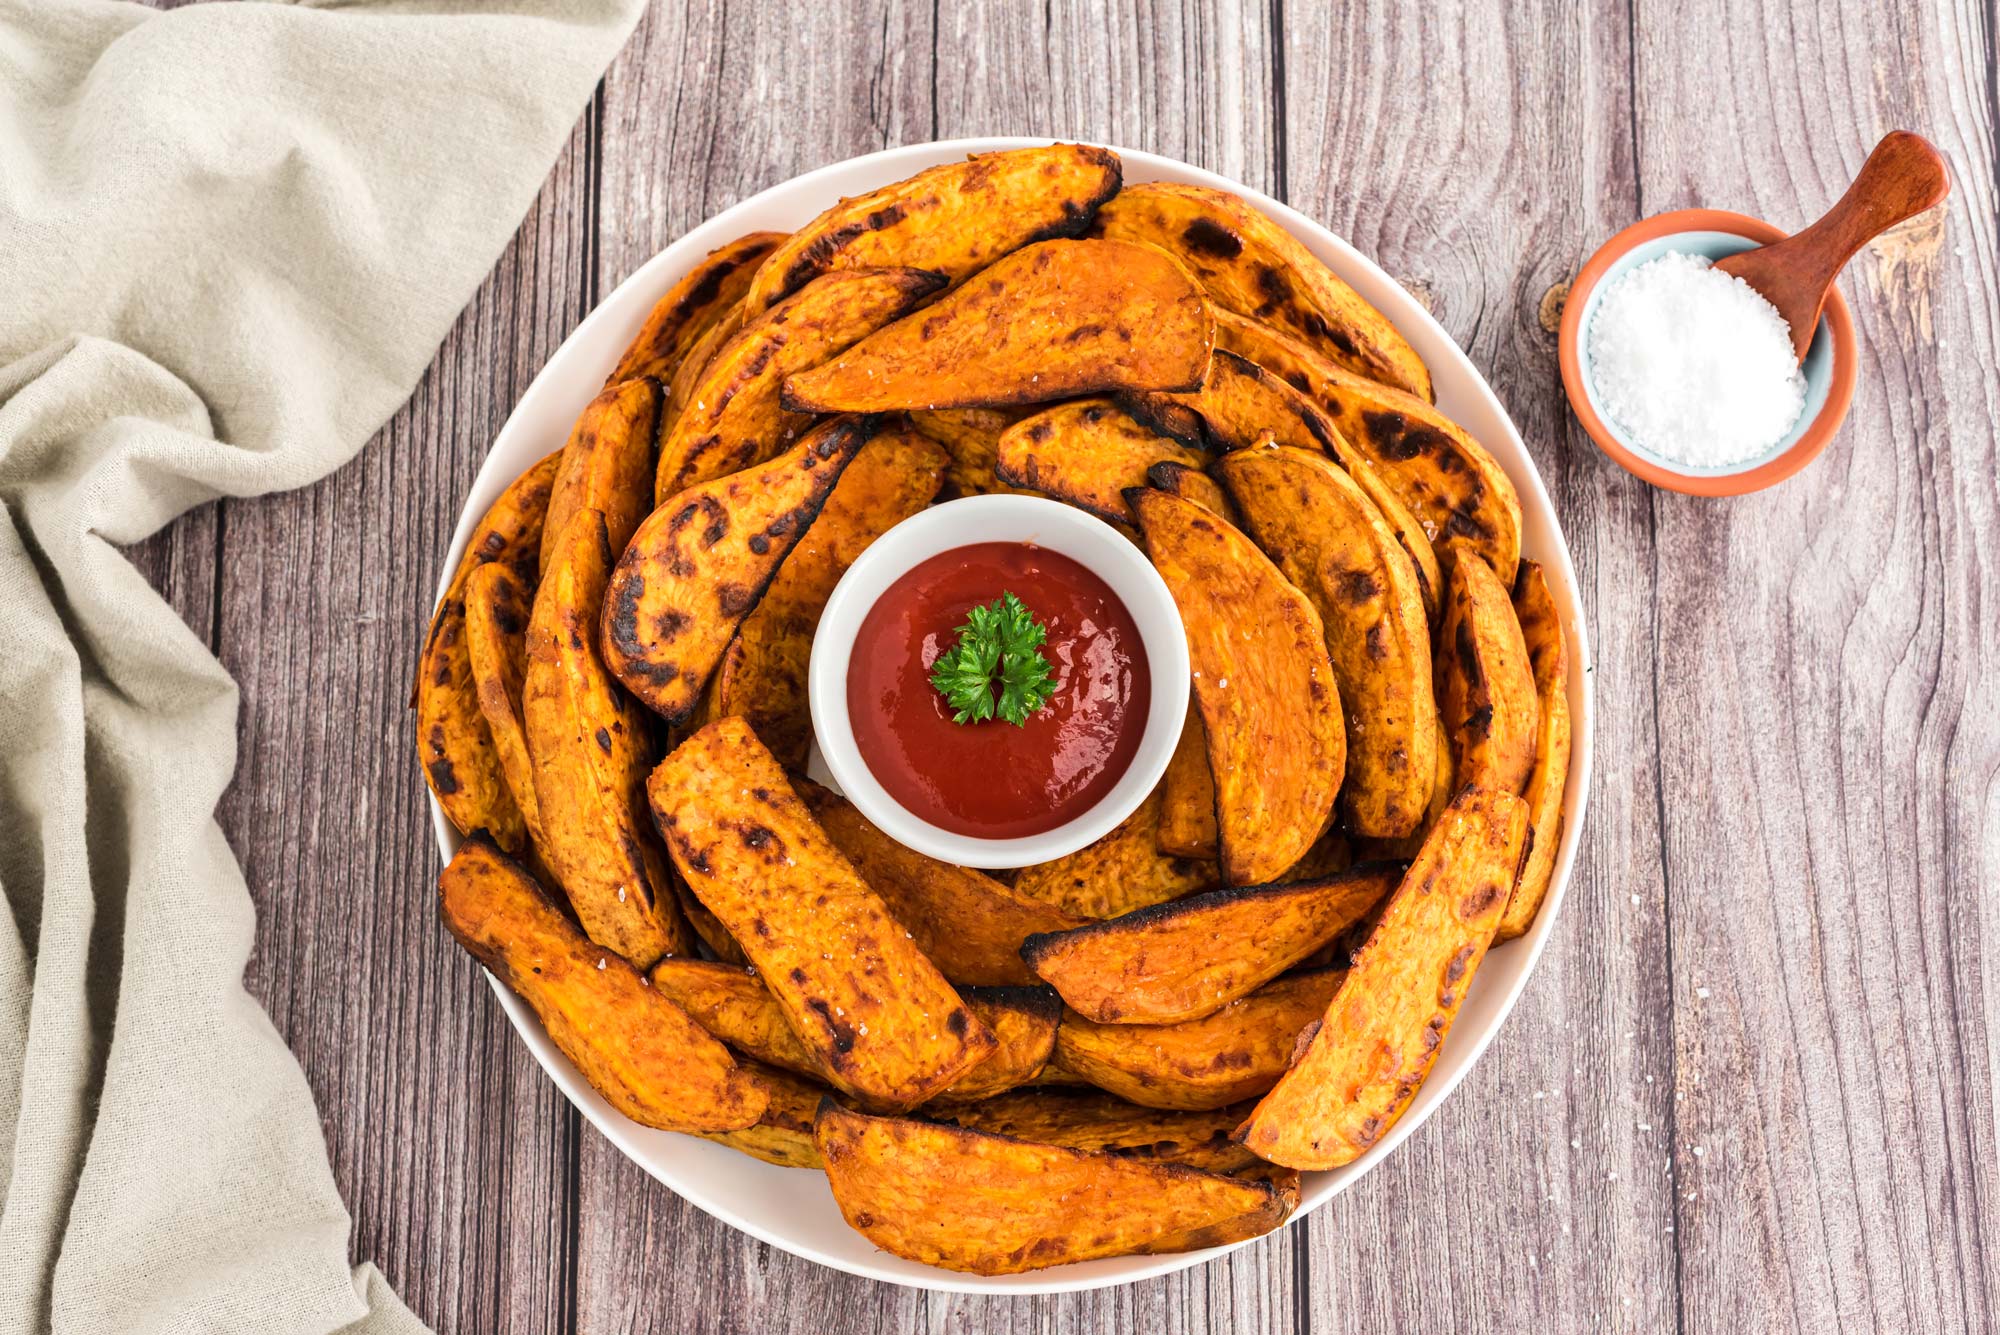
793, 1209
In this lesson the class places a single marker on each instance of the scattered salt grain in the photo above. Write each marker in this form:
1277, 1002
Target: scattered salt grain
1701, 992
1694, 365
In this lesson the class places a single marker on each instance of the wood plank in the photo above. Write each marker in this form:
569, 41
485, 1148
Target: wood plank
1538, 1197
1829, 736
452, 1149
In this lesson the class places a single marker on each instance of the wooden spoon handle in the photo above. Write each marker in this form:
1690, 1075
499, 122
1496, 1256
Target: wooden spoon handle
1902, 177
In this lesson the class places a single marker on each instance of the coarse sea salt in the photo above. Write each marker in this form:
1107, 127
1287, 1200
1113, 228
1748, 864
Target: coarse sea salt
1694, 365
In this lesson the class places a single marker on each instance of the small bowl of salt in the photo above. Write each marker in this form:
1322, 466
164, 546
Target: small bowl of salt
1685, 375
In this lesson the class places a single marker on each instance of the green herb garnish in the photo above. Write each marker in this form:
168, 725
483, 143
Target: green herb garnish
1000, 639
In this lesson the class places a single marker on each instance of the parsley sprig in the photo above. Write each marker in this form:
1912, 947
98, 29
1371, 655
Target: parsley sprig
1000, 639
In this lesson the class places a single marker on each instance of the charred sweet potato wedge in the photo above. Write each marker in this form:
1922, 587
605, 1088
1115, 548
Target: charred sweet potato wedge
1542, 633
732, 419
733, 1004
1242, 405
1124, 870
991, 1205
1184, 960
1086, 452
971, 436
591, 746
1381, 1032
1234, 1053
1443, 787
784, 1134
454, 746
496, 629
638, 1049
877, 1017
1334, 546
1249, 264
1193, 485
607, 464
1485, 682
1089, 1119
969, 924
692, 306
700, 356
763, 674
1270, 706
1054, 321
1023, 1021
955, 219
699, 565
1458, 491
1187, 797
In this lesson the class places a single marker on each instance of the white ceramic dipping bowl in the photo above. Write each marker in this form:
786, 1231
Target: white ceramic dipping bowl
1066, 530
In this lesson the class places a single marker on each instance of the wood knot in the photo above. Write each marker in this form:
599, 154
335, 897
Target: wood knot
1550, 313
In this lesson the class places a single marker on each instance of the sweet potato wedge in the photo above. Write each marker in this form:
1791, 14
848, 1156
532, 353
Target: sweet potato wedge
969, 924
1242, 405
877, 1017
1382, 1030
784, 1134
699, 565
1269, 703
1444, 786
1124, 870
733, 1004
991, 1205
1542, 633
590, 747
1089, 1119
1023, 1021
763, 673
1193, 485
639, 1050
1181, 961
956, 218
732, 419
1331, 542
454, 746
1249, 264
497, 600
1187, 797
692, 306
1086, 452
1236, 1053
1054, 321
971, 436
1485, 683
607, 463
1457, 490
700, 356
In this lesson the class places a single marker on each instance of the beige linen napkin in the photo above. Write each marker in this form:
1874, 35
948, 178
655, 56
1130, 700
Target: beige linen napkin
231, 238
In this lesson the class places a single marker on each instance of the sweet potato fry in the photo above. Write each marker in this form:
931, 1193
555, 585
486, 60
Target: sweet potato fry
454, 746
1088, 1119
1458, 491
1242, 405
1542, 634
496, 628
991, 1205
1193, 485
607, 464
876, 1016
1124, 870
1269, 703
1236, 1053
956, 219
1382, 1030
732, 419
1187, 796
733, 1004
1485, 683
1054, 321
1333, 545
970, 925
1023, 1021
1248, 263
635, 1047
699, 564
1181, 961
590, 747
784, 1134
763, 674
692, 306
1086, 452
971, 436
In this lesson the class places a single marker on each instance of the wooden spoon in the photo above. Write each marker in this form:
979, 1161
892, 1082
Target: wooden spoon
1902, 177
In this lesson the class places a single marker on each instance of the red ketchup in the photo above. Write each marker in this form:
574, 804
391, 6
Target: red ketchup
991, 779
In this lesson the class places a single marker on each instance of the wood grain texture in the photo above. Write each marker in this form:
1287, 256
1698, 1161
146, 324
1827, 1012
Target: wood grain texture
1778, 944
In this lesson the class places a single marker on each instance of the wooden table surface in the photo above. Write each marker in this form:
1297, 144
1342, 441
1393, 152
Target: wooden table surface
1751, 1087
